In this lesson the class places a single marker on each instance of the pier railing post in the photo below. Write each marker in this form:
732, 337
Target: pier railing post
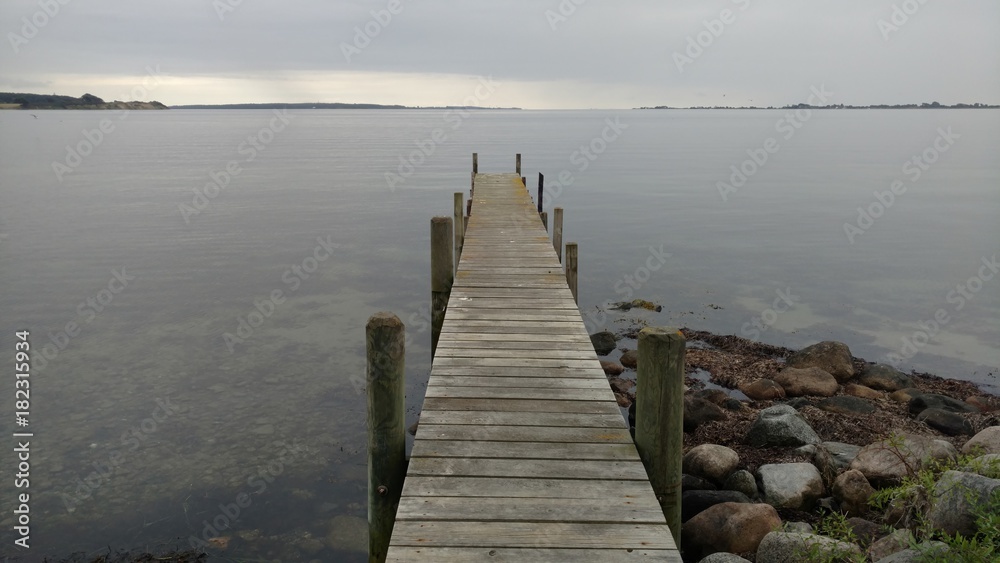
545, 220
475, 163
659, 417
571, 269
384, 338
541, 186
557, 229
517, 164
459, 226
442, 274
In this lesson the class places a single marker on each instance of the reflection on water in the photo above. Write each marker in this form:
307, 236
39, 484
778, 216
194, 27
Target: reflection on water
152, 428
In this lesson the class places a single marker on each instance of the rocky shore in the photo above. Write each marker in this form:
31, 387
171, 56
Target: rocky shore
816, 455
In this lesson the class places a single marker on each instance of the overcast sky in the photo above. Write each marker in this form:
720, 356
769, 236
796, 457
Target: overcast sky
539, 53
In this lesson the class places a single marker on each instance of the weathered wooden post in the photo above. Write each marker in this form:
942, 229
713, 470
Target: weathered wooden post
475, 163
459, 226
524, 182
541, 186
571, 269
557, 221
468, 209
659, 417
442, 274
545, 220
384, 337
517, 164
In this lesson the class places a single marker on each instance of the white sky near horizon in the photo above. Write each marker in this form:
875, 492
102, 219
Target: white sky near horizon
558, 54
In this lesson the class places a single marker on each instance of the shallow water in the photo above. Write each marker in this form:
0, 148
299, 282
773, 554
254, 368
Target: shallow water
282, 408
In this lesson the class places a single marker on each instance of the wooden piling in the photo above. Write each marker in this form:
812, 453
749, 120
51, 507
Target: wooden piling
659, 417
571, 269
545, 220
475, 163
517, 165
442, 274
384, 337
557, 231
459, 226
524, 182
468, 208
541, 186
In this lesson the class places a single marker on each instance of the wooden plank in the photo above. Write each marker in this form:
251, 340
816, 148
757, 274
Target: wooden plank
530, 534
528, 362
506, 371
508, 487
540, 468
483, 352
516, 334
493, 509
520, 405
516, 392
430, 431
407, 554
582, 346
527, 385
524, 450
489, 418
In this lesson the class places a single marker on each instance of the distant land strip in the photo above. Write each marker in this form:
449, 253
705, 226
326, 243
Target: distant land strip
925, 105
326, 105
12, 100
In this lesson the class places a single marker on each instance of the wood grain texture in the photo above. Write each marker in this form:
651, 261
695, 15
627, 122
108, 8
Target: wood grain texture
521, 453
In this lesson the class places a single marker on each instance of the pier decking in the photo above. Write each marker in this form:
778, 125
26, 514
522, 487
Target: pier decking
521, 453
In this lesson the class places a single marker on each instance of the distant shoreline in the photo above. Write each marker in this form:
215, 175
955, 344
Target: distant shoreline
335, 105
933, 105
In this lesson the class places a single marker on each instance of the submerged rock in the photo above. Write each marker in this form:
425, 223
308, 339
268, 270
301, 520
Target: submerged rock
630, 359
604, 342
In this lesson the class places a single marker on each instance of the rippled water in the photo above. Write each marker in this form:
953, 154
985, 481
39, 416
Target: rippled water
152, 426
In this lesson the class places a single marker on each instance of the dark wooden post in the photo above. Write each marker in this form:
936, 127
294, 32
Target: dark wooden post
571, 269
541, 186
557, 231
384, 337
475, 163
545, 220
442, 274
659, 417
459, 227
517, 164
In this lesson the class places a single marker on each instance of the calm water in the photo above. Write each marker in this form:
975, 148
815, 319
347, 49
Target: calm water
151, 423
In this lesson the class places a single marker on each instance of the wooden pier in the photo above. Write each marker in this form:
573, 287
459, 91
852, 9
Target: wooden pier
522, 453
